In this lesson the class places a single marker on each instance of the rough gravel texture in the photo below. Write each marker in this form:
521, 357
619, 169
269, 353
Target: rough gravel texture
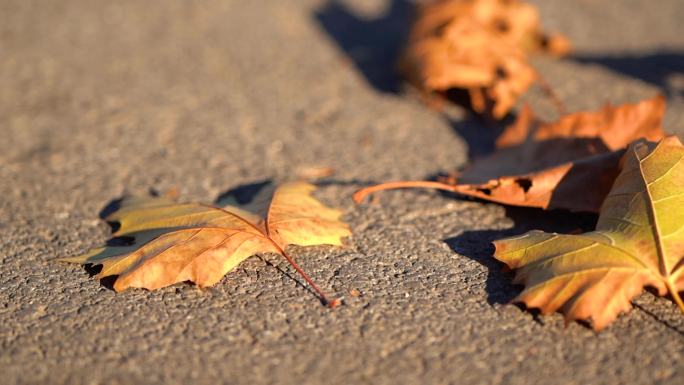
102, 98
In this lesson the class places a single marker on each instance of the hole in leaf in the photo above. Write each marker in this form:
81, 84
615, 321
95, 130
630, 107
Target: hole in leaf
502, 25
525, 183
501, 73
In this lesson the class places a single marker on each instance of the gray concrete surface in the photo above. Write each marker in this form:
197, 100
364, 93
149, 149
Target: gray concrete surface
100, 98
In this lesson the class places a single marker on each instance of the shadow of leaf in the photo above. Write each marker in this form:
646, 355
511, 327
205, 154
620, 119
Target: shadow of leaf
657, 68
479, 133
241, 194
477, 245
372, 45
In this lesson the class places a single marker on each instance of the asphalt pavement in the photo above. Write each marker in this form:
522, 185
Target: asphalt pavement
99, 99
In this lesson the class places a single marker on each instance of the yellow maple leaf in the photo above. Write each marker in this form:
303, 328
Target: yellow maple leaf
201, 243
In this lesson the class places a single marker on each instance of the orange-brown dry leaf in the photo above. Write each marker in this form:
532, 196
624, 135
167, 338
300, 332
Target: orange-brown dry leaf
638, 241
550, 165
480, 46
200, 243
558, 187
614, 126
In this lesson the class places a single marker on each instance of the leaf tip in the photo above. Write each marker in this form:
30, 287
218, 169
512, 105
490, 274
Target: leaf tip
359, 195
334, 303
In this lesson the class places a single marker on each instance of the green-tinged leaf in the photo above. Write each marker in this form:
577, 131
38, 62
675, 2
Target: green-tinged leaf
638, 241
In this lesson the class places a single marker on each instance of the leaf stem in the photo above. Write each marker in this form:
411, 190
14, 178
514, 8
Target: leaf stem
265, 233
359, 195
675, 295
323, 297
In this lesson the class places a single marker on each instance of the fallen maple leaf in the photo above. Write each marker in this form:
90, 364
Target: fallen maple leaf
480, 46
638, 242
201, 243
550, 165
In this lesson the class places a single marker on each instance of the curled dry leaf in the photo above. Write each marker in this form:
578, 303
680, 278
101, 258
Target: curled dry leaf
200, 243
614, 126
638, 242
480, 46
550, 165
